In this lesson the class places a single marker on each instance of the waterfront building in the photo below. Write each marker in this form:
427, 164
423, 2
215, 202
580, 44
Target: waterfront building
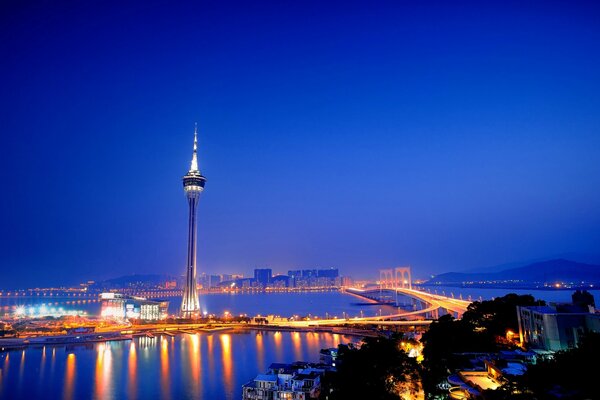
346, 281
120, 306
298, 381
556, 327
263, 276
280, 281
206, 281
169, 285
314, 278
328, 356
193, 185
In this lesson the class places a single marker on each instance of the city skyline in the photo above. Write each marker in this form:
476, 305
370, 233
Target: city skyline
358, 137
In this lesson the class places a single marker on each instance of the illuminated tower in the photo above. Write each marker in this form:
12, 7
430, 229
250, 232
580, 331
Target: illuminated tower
193, 184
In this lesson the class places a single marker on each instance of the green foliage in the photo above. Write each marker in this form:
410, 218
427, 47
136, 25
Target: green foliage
445, 337
379, 369
498, 315
476, 332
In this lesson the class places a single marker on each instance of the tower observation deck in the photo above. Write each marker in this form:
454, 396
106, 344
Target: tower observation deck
193, 185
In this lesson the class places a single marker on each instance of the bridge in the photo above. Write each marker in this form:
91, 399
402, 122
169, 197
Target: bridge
398, 281
433, 303
392, 284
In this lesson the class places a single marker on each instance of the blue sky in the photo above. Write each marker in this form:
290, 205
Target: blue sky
360, 135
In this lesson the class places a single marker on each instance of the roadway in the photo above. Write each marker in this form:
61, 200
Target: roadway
434, 301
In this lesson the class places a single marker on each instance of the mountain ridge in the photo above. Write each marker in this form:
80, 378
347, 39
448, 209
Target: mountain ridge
550, 271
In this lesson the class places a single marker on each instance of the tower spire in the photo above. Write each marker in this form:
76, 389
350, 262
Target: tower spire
194, 166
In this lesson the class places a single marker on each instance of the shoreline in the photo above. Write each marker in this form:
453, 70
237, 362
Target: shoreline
7, 344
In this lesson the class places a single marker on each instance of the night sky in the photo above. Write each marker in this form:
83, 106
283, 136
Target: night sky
445, 135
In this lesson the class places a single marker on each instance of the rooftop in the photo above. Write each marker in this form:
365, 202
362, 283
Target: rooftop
266, 378
479, 379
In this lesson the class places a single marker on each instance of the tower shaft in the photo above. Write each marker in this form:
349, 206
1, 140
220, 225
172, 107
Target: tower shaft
190, 304
193, 184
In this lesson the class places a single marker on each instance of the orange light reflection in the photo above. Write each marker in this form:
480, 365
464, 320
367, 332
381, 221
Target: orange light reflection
132, 371
164, 368
195, 357
278, 346
211, 360
98, 386
260, 350
227, 361
336, 340
22, 366
69, 377
297, 344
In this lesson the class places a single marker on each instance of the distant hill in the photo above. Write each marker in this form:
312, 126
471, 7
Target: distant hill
585, 258
557, 270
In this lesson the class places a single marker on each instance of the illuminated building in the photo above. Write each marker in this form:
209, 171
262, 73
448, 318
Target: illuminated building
557, 326
314, 278
298, 381
119, 306
263, 276
171, 285
193, 185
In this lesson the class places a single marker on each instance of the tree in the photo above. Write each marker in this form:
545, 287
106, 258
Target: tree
379, 369
498, 315
571, 374
477, 331
445, 337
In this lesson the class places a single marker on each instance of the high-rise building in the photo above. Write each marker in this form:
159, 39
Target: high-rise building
193, 185
263, 276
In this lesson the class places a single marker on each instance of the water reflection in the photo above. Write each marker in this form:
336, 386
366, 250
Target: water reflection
103, 372
227, 362
99, 388
52, 363
336, 340
260, 350
69, 377
210, 366
194, 362
312, 343
278, 347
132, 372
21, 369
297, 345
4, 371
164, 368
43, 364
211, 358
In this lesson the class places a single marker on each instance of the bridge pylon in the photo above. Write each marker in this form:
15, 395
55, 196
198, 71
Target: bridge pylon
402, 278
386, 278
